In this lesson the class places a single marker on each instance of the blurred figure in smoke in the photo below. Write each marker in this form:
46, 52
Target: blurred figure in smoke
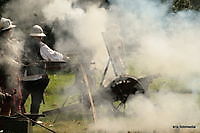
9, 73
35, 78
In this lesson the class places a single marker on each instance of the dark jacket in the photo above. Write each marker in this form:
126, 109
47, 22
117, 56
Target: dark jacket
32, 59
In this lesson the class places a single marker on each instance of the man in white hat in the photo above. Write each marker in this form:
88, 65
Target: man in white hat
6, 24
36, 78
9, 68
46, 53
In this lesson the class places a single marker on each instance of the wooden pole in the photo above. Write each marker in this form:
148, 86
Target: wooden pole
85, 78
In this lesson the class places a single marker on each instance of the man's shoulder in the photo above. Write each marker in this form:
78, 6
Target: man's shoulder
44, 47
43, 44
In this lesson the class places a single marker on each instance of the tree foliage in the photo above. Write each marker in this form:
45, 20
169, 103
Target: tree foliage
179, 5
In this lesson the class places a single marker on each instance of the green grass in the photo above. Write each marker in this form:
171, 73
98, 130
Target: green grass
54, 93
68, 122
73, 121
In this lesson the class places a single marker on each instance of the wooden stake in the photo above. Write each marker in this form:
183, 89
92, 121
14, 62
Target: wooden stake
85, 78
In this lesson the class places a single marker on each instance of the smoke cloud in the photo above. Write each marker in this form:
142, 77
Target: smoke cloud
154, 40
85, 27
163, 40
157, 41
10, 59
159, 114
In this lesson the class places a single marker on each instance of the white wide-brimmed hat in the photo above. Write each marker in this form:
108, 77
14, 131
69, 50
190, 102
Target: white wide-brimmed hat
37, 31
6, 24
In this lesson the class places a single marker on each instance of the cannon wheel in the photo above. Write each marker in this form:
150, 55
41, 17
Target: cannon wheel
121, 88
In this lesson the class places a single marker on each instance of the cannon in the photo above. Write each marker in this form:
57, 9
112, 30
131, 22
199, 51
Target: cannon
123, 86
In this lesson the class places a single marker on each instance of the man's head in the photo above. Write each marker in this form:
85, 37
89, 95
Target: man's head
5, 25
37, 32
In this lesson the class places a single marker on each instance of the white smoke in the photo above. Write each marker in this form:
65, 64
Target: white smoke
84, 27
166, 41
61, 10
159, 114
156, 41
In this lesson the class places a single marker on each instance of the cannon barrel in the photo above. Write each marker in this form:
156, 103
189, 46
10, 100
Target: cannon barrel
123, 86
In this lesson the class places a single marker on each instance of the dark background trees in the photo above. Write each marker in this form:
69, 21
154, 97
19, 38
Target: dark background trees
185, 5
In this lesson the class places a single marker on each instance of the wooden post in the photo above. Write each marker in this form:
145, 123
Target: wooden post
85, 78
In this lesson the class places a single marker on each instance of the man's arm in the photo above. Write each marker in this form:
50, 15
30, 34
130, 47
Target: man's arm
50, 55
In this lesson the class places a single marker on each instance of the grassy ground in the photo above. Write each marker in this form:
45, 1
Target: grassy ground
68, 122
54, 92
74, 120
